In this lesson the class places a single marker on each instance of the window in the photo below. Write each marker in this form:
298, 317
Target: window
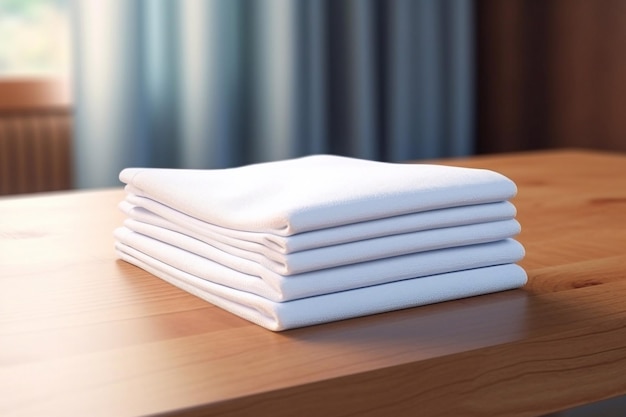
34, 39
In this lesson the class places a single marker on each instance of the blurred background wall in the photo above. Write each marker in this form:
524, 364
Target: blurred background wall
217, 83
550, 74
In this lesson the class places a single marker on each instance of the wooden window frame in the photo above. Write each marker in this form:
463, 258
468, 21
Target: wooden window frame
36, 94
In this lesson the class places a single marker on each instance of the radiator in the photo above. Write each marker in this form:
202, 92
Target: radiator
35, 152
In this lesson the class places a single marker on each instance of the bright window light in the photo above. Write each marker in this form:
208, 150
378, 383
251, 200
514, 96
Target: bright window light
34, 38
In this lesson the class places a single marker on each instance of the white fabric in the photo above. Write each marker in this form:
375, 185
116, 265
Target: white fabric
141, 208
311, 240
315, 192
331, 256
338, 305
249, 276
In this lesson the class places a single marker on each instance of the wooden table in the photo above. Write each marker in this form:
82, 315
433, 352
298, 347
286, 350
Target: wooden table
84, 334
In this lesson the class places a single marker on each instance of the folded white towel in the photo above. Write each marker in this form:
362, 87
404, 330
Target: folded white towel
330, 256
315, 192
340, 305
141, 208
251, 277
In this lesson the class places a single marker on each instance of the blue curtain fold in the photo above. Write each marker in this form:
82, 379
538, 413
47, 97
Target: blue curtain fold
221, 83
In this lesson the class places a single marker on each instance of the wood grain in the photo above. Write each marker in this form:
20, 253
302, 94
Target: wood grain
82, 333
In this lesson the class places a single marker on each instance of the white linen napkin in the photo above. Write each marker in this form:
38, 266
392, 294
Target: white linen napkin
315, 192
331, 256
338, 305
251, 277
142, 209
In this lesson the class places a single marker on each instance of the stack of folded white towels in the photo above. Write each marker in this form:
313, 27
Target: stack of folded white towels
322, 238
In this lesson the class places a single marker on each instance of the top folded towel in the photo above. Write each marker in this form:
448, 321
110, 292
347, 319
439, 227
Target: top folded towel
314, 192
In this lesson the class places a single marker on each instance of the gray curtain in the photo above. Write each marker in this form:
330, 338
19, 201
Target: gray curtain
220, 83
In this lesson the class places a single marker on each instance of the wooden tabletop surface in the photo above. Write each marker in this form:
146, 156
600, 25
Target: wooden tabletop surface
84, 334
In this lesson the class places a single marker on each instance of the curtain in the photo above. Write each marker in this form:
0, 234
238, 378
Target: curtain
221, 83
